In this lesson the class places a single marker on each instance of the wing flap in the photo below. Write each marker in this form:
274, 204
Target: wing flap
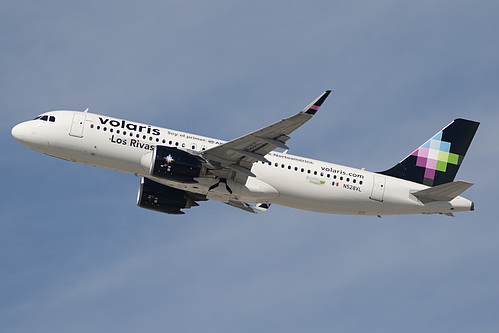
242, 205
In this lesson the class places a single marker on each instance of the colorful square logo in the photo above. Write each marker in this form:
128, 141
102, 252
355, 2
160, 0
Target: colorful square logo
434, 156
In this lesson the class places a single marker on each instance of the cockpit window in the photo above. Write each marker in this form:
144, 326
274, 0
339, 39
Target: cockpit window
45, 118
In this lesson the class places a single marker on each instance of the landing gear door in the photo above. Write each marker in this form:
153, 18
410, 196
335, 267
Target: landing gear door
78, 124
378, 190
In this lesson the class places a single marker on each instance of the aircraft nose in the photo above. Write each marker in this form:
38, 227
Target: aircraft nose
26, 133
18, 133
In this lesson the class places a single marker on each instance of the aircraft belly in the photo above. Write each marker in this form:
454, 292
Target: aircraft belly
320, 196
92, 150
327, 196
124, 159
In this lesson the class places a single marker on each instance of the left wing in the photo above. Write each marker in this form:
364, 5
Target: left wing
234, 159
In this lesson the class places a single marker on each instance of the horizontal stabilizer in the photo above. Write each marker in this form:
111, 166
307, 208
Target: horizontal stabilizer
444, 192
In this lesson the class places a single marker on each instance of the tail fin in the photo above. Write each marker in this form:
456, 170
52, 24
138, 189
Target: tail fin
437, 161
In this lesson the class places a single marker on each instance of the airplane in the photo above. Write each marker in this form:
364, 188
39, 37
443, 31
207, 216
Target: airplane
179, 169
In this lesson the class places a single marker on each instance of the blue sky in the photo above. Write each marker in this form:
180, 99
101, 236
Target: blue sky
77, 255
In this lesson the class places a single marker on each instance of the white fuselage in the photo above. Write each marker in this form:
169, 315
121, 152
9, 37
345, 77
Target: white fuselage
287, 180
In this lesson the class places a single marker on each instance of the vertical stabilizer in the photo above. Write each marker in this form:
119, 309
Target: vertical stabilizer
437, 161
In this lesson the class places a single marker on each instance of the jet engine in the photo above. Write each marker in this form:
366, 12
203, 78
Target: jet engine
173, 164
162, 198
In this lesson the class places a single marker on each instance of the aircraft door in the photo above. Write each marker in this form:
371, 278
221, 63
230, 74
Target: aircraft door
378, 190
78, 124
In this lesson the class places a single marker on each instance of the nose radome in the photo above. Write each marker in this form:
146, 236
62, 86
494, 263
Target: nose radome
17, 132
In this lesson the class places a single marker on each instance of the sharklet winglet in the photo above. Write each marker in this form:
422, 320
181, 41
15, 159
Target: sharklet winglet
313, 107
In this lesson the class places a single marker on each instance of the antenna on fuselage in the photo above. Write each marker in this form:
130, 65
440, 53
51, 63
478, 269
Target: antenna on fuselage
86, 110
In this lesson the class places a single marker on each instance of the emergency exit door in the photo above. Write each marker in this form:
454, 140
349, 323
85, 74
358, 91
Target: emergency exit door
378, 190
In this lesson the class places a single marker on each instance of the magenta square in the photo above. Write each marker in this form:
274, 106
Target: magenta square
429, 173
423, 152
421, 162
431, 164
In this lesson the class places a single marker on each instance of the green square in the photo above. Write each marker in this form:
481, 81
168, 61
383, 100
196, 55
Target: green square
443, 156
441, 166
453, 158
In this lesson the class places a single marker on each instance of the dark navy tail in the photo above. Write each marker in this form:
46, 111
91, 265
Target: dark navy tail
438, 160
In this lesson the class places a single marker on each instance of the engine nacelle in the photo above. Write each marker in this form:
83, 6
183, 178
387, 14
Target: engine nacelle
174, 164
162, 198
